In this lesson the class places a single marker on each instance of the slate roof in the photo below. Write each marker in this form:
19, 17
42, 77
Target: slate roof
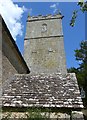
42, 90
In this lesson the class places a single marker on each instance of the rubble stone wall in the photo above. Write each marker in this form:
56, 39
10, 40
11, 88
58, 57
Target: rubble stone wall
75, 115
8, 69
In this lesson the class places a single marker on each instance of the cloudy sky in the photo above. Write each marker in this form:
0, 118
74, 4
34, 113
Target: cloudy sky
15, 16
12, 15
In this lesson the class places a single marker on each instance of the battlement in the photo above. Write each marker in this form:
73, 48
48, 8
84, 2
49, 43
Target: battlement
46, 17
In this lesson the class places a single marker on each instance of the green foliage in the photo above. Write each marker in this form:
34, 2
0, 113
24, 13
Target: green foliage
83, 8
79, 75
72, 70
35, 114
81, 71
74, 16
81, 54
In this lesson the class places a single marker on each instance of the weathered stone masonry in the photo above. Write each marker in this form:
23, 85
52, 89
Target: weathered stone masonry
48, 85
44, 46
12, 60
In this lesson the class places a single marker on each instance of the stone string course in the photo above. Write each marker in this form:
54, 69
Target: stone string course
43, 90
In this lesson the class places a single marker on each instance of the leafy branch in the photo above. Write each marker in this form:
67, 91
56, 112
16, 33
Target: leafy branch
83, 8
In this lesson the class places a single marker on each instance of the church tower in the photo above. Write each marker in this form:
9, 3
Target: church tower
44, 45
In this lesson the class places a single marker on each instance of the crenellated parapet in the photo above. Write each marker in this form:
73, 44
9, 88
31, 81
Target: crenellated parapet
41, 17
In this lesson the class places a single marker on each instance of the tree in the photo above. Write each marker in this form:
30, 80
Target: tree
83, 8
81, 71
81, 56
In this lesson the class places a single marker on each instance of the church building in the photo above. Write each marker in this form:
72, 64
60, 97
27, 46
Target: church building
39, 79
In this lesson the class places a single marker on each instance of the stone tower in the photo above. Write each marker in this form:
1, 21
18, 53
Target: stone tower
43, 45
43, 51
